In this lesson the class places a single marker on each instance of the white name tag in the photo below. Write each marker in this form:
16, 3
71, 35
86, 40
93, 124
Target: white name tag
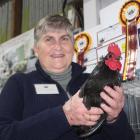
46, 89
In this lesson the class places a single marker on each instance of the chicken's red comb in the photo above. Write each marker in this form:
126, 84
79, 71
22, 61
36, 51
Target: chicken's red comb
114, 48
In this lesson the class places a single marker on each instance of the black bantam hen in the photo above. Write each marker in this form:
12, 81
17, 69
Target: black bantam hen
105, 73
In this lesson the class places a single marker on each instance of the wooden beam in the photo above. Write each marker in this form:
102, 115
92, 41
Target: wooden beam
17, 17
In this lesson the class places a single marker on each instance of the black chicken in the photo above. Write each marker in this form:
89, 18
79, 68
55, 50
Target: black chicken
105, 73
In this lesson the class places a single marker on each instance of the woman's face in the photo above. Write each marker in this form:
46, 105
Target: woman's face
55, 51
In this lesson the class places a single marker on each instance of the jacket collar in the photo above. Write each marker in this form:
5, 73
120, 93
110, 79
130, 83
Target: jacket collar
76, 70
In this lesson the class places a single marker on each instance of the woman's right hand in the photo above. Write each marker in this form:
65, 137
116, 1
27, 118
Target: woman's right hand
77, 114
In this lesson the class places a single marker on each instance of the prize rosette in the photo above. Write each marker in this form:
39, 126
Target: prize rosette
82, 44
130, 11
129, 18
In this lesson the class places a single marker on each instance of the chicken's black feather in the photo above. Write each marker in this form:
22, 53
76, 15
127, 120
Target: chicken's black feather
101, 76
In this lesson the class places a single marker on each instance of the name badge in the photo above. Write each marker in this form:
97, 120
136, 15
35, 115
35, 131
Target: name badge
46, 89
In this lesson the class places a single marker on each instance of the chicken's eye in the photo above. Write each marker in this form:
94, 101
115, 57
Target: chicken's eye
110, 55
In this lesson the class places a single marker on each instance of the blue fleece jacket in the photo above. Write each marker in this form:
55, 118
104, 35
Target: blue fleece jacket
26, 115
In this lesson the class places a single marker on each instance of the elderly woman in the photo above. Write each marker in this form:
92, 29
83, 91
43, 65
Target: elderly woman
44, 104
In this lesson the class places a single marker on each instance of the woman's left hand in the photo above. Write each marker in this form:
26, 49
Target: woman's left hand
114, 102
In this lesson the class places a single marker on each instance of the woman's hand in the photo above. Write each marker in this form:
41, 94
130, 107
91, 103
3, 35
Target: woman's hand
114, 102
77, 114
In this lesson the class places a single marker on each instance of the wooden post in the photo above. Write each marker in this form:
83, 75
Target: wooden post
17, 17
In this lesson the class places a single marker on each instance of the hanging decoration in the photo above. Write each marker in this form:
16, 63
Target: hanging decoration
129, 18
73, 10
82, 44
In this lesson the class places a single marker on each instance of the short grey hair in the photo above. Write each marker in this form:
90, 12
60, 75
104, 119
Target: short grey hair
52, 22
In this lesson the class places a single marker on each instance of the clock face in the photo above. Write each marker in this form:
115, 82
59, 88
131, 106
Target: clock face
130, 11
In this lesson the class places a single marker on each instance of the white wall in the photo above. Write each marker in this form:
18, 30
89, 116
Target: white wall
91, 11
90, 14
110, 14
